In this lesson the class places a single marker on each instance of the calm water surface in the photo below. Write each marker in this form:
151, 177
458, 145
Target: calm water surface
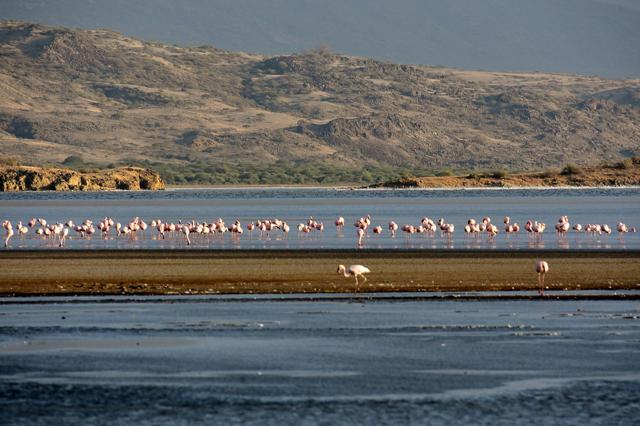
296, 205
339, 360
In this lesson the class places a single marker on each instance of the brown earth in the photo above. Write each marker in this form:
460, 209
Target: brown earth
22, 178
111, 98
230, 272
612, 175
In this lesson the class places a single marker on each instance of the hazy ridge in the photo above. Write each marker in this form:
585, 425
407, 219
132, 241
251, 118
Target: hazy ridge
209, 115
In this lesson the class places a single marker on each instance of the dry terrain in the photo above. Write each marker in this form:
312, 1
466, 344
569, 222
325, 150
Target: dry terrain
203, 114
618, 174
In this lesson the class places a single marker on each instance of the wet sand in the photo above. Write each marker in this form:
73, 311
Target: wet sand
245, 272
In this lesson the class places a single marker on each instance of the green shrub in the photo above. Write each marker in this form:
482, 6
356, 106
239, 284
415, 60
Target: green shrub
445, 172
571, 169
549, 173
73, 161
625, 164
499, 174
9, 161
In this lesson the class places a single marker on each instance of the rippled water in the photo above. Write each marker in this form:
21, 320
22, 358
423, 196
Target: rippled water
296, 205
338, 360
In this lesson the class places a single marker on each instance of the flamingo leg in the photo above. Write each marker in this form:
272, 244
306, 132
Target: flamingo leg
356, 283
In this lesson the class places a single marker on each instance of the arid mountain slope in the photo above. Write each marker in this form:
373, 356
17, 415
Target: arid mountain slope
113, 99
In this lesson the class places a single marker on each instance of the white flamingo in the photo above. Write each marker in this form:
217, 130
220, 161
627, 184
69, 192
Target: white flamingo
354, 271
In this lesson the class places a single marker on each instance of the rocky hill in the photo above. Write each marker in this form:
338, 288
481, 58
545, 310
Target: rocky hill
202, 114
22, 178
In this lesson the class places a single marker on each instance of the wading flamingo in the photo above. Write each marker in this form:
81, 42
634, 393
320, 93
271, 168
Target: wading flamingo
185, 231
63, 236
9, 228
393, 228
542, 268
355, 271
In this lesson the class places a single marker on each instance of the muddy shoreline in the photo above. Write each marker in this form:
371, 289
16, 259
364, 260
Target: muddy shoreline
168, 272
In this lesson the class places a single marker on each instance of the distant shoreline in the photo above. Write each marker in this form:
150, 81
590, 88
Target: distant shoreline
379, 188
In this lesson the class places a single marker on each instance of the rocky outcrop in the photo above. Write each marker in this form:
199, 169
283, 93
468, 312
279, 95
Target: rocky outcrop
22, 178
382, 126
619, 174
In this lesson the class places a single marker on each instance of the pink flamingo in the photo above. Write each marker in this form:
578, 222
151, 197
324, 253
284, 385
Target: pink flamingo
448, 230
360, 233
22, 230
542, 268
492, 230
355, 271
409, 229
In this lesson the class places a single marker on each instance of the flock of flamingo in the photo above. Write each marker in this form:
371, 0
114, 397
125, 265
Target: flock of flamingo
59, 232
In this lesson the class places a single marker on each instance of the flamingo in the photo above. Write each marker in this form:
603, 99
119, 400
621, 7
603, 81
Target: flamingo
542, 268
360, 233
185, 231
492, 230
63, 236
340, 222
355, 271
22, 230
9, 228
393, 227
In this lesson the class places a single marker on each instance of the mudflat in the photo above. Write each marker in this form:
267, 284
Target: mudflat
283, 271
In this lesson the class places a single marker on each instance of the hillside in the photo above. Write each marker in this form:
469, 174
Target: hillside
594, 37
205, 115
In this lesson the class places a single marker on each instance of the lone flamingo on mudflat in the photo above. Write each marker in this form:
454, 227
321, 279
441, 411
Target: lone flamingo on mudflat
355, 271
542, 268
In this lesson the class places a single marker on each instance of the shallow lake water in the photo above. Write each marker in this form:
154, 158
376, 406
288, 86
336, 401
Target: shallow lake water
334, 360
601, 206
